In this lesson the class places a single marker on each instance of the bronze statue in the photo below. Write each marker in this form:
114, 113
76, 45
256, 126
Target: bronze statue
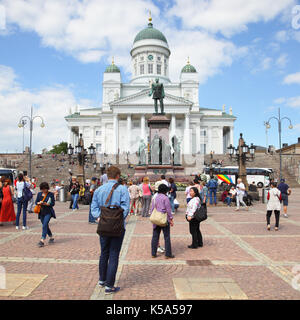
158, 92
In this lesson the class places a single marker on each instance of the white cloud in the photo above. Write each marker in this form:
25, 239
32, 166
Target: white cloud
281, 61
227, 16
293, 78
282, 36
279, 100
52, 103
293, 102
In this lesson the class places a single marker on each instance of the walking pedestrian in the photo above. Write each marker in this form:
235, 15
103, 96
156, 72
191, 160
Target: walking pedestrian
74, 190
46, 201
162, 204
31, 201
103, 178
274, 197
22, 203
285, 192
7, 211
240, 188
212, 186
93, 188
110, 246
147, 196
134, 197
192, 206
172, 193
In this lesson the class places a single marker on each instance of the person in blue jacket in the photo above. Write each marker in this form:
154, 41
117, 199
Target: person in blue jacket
46, 201
212, 186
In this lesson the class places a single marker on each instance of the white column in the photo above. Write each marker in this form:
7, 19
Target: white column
143, 128
198, 138
187, 135
116, 134
103, 137
231, 136
129, 132
70, 136
173, 125
209, 146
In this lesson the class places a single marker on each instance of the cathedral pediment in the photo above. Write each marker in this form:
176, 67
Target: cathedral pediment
143, 98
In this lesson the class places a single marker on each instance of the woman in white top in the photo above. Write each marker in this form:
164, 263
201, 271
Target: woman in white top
274, 198
22, 203
192, 206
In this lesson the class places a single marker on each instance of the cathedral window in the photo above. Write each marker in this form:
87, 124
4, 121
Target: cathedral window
98, 133
203, 148
150, 68
158, 69
142, 69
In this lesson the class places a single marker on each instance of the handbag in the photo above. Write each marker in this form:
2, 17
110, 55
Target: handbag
201, 213
158, 218
38, 207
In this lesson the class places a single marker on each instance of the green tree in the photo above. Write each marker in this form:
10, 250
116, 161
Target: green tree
59, 148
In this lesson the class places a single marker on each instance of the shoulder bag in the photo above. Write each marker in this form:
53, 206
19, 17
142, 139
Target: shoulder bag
201, 213
111, 223
158, 218
38, 207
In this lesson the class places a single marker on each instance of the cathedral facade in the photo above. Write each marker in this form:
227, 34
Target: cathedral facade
118, 127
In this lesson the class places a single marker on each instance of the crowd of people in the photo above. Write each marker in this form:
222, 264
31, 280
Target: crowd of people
125, 198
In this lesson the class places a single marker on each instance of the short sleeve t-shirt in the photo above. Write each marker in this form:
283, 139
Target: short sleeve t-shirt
283, 188
146, 190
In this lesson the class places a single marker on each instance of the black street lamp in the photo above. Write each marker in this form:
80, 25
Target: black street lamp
268, 126
22, 123
239, 154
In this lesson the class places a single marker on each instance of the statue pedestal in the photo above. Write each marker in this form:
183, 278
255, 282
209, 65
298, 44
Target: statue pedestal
160, 162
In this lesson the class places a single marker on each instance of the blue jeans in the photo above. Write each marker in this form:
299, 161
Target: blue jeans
172, 203
22, 204
45, 222
155, 240
109, 259
91, 218
228, 200
211, 193
75, 198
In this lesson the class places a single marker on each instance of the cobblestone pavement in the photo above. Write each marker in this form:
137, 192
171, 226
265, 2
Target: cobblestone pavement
237, 245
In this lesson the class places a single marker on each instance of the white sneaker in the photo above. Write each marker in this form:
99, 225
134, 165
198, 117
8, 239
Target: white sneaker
160, 249
25, 228
17, 228
285, 215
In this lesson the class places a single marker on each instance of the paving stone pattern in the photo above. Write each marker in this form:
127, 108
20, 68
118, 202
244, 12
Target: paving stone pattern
240, 259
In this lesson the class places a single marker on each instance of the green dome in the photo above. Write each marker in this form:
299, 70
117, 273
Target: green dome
112, 68
189, 69
150, 33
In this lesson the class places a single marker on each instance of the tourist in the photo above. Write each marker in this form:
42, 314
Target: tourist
253, 187
285, 192
31, 201
192, 206
203, 193
110, 246
240, 188
212, 186
224, 196
74, 190
147, 196
103, 178
162, 204
81, 193
93, 188
197, 184
231, 195
187, 191
21, 202
172, 193
46, 201
134, 197
274, 198
7, 212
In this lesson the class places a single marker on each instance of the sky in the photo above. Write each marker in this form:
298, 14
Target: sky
53, 54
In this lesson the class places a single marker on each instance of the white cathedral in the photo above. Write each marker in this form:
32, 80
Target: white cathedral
121, 123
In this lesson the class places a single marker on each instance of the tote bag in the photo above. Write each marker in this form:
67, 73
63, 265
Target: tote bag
158, 218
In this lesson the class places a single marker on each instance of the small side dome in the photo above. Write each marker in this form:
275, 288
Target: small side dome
189, 68
112, 68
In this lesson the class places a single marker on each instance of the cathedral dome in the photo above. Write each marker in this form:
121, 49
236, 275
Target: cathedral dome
189, 68
150, 33
112, 68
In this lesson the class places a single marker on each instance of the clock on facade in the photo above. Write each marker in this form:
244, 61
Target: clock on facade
150, 57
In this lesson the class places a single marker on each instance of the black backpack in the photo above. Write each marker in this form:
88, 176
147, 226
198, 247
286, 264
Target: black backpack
111, 223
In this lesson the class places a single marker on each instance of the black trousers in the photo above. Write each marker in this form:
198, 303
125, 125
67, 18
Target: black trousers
155, 240
196, 233
277, 215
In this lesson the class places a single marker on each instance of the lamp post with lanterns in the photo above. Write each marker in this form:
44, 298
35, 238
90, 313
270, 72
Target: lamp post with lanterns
268, 126
22, 123
240, 155
81, 155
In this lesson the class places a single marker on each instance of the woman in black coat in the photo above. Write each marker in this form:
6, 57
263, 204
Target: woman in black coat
46, 201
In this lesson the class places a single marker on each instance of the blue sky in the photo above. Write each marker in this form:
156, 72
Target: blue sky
53, 54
